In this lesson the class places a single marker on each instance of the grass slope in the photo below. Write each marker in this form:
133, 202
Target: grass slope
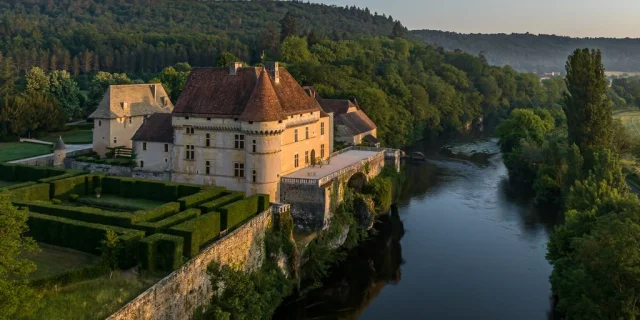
71, 137
53, 260
21, 150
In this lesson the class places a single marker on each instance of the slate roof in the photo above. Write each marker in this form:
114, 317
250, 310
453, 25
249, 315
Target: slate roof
213, 92
60, 144
156, 128
355, 122
139, 98
337, 106
263, 104
371, 139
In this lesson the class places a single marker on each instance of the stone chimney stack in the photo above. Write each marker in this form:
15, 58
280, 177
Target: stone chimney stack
274, 70
154, 91
235, 66
125, 107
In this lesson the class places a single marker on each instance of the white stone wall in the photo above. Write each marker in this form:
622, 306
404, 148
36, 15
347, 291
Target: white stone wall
178, 295
154, 158
109, 133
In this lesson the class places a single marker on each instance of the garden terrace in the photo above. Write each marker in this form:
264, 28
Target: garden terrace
158, 224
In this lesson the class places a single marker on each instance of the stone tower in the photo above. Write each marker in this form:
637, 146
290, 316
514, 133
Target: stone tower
262, 123
59, 153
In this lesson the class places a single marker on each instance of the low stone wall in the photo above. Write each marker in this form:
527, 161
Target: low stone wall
119, 171
178, 295
47, 160
309, 205
149, 175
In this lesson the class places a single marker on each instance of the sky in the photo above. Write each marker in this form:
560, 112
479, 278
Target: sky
576, 18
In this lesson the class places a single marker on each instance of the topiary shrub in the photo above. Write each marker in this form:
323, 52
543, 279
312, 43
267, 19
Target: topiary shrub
222, 201
197, 232
157, 213
158, 226
160, 252
200, 198
234, 214
74, 197
37, 192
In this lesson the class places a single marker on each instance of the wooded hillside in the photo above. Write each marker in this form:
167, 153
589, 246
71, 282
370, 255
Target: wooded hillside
536, 53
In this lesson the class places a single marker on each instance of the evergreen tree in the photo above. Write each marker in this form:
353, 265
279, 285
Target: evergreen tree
587, 106
399, 31
289, 26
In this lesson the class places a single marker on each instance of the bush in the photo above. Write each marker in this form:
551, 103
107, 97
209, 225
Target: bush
7, 172
81, 235
17, 186
158, 213
74, 197
152, 190
199, 198
71, 276
236, 213
31, 193
223, 201
185, 190
85, 214
69, 174
197, 232
77, 185
381, 190
56, 201
160, 252
155, 227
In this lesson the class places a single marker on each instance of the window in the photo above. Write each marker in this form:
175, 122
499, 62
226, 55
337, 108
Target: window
207, 168
99, 123
239, 170
208, 119
322, 151
129, 120
295, 161
191, 153
141, 164
253, 176
166, 160
115, 140
207, 141
239, 141
191, 130
295, 135
254, 146
322, 128
166, 147
306, 132
186, 118
144, 146
306, 157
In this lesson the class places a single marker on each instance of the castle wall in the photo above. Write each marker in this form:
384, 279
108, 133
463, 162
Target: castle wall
109, 133
154, 158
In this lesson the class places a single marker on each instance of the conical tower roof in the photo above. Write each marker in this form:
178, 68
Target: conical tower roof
263, 104
60, 145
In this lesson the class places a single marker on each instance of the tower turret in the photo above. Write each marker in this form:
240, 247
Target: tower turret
59, 153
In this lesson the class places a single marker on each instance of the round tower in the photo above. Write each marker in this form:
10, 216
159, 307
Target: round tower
59, 153
262, 123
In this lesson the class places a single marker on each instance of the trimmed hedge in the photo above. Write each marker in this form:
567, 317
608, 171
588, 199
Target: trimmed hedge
17, 172
85, 214
31, 193
197, 232
78, 185
160, 252
155, 227
147, 189
157, 213
234, 214
223, 201
199, 198
116, 206
68, 174
82, 236
7, 172
185, 190
18, 185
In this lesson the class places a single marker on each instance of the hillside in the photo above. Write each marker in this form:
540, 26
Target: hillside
147, 35
536, 53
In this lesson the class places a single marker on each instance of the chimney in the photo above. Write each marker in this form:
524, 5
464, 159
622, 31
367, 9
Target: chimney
125, 107
154, 88
235, 66
274, 71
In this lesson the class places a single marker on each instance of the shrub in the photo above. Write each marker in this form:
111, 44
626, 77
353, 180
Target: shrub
152, 190
160, 252
77, 185
200, 198
16, 186
197, 232
56, 201
225, 200
158, 213
155, 227
237, 212
81, 235
85, 214
185, 190
69, 174
111, 185
71, 276
381, 190
116, 206
74, 197
31, 193
7, 172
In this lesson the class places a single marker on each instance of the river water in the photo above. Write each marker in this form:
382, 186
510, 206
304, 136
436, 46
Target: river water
459, 245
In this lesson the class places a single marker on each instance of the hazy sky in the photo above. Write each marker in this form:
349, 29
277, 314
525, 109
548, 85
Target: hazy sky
578, 18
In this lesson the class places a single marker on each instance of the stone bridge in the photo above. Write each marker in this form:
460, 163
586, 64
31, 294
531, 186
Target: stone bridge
314, 191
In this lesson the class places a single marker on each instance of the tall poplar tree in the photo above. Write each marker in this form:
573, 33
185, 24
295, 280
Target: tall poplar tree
587, 106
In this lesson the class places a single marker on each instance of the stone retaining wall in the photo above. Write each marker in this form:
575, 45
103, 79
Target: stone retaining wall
178, 295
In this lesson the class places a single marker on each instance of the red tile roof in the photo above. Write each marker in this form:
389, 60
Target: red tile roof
213, 92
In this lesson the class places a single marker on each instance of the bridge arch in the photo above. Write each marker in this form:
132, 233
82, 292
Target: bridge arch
357, 181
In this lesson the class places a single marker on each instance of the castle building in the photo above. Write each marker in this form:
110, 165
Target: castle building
122, 111
237, 127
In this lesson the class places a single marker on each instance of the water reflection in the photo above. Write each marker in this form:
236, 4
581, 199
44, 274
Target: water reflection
474, 249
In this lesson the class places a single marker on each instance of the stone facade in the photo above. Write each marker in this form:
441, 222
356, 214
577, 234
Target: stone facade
154, 157
179, 295
110, 133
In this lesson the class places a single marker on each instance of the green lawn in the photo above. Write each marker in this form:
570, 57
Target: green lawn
71, 137
53, 260
92, 299
109, 201
21, 150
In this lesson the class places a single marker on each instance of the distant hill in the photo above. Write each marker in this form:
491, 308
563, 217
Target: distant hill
147, 35
536, 53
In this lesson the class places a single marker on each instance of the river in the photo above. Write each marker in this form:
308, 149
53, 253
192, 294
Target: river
460, 244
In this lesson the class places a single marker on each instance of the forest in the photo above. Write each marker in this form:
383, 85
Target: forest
536, 53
